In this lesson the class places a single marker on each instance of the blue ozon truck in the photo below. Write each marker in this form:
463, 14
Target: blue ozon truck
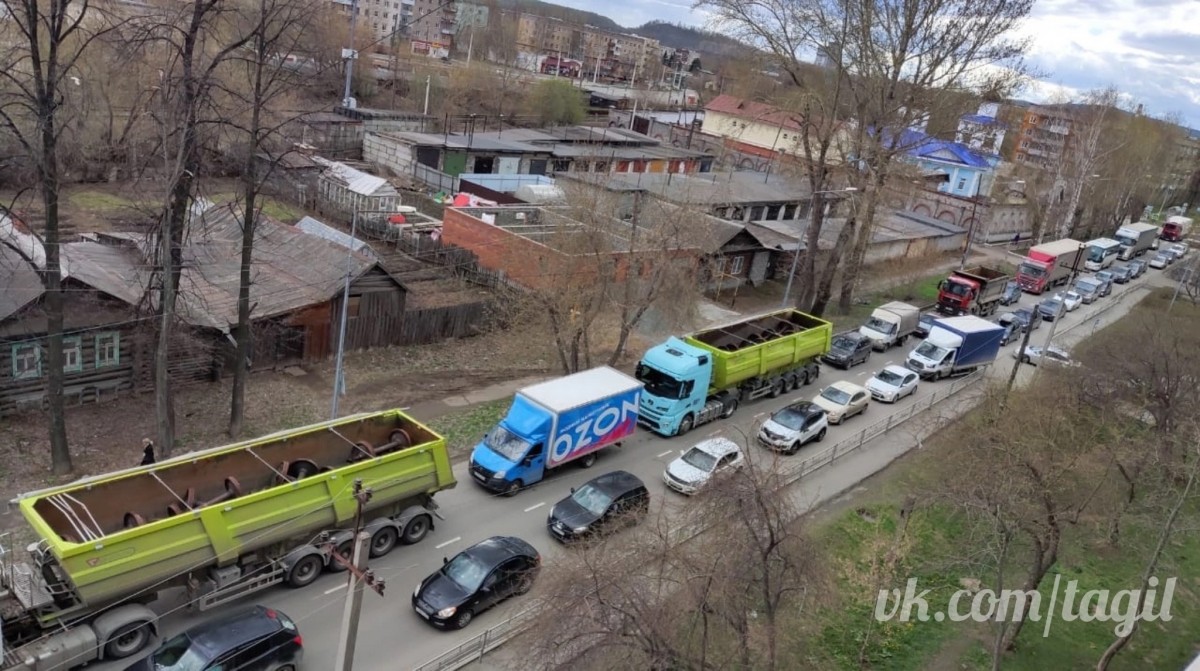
568, 419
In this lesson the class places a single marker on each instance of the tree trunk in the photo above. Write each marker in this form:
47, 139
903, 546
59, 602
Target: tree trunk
1044, 557
862, 240
60, 451
825, 284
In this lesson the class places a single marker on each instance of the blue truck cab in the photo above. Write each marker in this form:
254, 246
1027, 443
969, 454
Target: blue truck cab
676, 377
568, 419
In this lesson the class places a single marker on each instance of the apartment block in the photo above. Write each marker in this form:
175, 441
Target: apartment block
380, 20
604, 54
1044, 135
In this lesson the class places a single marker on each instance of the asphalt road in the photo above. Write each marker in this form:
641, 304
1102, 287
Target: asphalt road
392, 636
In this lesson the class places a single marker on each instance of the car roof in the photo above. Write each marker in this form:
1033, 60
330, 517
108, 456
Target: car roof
496, 549
230, 631
806, 408
718, 446
616, 483
848, 387
898, 370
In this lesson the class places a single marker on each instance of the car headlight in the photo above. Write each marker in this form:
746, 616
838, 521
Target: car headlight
417, 592
500, 475
579, 530
447, 612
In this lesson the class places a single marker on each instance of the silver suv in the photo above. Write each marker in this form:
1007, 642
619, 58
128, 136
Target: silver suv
791, 427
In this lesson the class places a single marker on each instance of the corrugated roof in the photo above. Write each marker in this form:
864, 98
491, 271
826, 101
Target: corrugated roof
321, 230
114, 270
706, 188
355, 180
750, 110
19, 282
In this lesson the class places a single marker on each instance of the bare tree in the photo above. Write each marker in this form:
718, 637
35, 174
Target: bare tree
1086, 150
44, 43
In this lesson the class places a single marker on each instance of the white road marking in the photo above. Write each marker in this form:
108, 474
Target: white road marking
334, 589
535, 506
452, 540
663, 454
862, 373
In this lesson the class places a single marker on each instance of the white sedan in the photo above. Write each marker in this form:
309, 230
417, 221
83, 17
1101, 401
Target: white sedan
843, 400
1036, 356
704, 461
1179, 249
892, 384
1072, 300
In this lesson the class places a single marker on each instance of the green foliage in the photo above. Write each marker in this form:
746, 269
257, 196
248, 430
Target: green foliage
465, 428
557, 102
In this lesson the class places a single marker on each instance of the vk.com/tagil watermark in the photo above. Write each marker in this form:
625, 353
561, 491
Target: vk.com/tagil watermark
986, 605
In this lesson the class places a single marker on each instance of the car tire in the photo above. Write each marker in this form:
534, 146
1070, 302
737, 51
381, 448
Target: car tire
513, 487
127, 640
417, 528
463, 618
305, 571
285, 667
588, 460
384, 541
821, 436
525, 585
794, 447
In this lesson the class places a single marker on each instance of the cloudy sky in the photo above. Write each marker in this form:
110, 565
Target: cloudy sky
1149, 49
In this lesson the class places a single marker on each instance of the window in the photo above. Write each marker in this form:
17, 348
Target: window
108, 349
26, 361
352, 306
736, 265
962, 183
72, 354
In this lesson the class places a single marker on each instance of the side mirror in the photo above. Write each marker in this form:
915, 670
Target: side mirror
572, 490
445, 560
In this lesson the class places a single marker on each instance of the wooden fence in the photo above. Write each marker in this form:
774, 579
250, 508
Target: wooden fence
423, 327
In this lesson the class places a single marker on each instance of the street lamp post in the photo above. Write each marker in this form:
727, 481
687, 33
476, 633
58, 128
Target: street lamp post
787, 291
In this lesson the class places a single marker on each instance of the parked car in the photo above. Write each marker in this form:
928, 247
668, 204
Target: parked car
925, 323
843, 400
252, 639
1121, 274
1070, 300
1012, 328
699, 464
1105, 278
599, 505
789, 428
892, 384
1138, 266
1012, 293
848, 350
1178, 250
476, 579
1161, 260
1088, 289
1028, 318
1051, 309
1036, 355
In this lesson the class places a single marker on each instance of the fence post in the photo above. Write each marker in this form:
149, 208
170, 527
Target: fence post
862, 435
483, 643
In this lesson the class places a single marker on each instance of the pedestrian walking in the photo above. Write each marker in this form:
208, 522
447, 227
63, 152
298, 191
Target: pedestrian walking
1016, 239
147, 452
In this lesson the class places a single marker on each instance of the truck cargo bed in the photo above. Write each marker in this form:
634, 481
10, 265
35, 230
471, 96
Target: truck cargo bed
117, 534
760, 345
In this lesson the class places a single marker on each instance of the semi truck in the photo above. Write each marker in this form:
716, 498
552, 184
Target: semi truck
891, 324
704, 376
1136, 239
1101, 253
1049, 265
1176, 228
976, 291
956, 346
553, 423
222, 523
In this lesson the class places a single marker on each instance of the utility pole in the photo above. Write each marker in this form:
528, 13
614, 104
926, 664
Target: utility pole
349, 55
339, 376
359, 577
426, 112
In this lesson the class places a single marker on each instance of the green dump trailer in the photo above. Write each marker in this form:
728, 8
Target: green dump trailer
223, 523
705, 375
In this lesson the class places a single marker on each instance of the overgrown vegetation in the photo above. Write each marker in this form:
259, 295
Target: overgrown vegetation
464, 428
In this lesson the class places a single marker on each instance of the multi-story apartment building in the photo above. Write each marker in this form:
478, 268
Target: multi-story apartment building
433, 22
1044, 134
381, 20
604, 53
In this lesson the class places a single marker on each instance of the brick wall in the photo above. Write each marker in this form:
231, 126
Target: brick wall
525, 262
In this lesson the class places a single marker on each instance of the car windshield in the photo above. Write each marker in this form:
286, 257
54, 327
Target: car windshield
789, 418
700, 459
466, 571
843, 342
592, 499
1085, 285
931, 351
177, 654
1030, 270
659, 383
1104, 275
1096, 254
1072, 296
1052, 304
889, 377
1022, 315
877, 324
506, 443
836, 395
928, 320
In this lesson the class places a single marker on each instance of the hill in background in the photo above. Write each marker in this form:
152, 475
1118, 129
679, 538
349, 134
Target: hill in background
687, 37
559, 12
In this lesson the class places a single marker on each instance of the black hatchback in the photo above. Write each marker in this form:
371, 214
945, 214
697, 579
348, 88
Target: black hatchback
476, 579
599, 505
253, 639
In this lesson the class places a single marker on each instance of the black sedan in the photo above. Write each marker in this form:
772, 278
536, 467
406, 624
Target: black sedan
600, 504
476, 579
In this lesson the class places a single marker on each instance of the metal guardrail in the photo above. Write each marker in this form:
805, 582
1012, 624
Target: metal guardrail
475, 648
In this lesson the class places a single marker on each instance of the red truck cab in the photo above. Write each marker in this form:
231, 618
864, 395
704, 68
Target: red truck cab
956, 293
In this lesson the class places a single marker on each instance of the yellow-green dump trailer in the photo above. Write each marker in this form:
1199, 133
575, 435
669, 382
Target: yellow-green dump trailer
206, 519
757, 347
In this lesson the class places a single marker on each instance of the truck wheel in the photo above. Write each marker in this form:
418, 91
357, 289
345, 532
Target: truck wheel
685, 425
776, 389
305, 571
512, 488
127, 640
346, 550
384, 541
730, 408
416, 529
588, 460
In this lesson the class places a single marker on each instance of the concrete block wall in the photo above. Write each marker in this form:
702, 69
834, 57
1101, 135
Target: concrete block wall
388, 153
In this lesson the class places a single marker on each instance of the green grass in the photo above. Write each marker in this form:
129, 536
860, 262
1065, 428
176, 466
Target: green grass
99, 202
275, 209
464, 429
